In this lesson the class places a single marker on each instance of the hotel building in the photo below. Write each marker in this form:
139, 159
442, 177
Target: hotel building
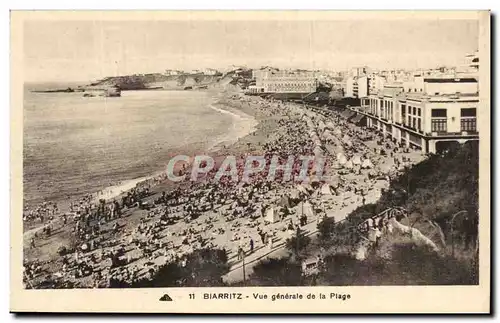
271, 80
429, 113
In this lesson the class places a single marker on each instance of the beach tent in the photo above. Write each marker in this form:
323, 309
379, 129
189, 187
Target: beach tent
317, 151
367, 164
272, 216
321, 125
347, 140
341, 159
349, 164
330, 125
356, 160
284, 201
295, 194
326, 190
337, 132
334, 182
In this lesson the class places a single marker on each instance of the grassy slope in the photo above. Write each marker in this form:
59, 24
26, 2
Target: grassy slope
433, 190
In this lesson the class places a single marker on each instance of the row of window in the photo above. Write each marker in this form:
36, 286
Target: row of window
466, 124
412, 117
443, 113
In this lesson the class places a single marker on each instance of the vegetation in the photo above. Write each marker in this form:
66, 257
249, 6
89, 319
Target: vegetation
442, 190
276, 272
203, 268
407, 266
298, 243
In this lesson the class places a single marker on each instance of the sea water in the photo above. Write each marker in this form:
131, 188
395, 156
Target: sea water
75, 145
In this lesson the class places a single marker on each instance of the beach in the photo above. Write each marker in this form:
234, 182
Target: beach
169, 220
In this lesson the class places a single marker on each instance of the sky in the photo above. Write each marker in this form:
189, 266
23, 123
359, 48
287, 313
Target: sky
89, 50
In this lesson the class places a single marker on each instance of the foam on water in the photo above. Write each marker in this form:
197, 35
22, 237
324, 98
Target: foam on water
75, 146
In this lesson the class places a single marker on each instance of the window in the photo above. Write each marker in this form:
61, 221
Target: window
439, 125
414, 111
419, 125
414, 123
468, 124
439, 113
419, 110
469, 112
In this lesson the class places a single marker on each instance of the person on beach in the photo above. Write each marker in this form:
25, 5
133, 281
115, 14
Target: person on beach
251, 245
270, 243
241, 253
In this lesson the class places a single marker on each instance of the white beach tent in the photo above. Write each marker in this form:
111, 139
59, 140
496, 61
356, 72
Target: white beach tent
326, 190
349, 165
321, 125
347, 140
367, 163
335, 182
305, 208
341, 159
356, 160
318, 151
337, 132
272, 216
294, 194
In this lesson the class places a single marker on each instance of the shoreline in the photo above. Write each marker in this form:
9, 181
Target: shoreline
117, 189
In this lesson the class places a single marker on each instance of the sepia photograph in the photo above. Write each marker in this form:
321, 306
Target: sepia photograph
244, 149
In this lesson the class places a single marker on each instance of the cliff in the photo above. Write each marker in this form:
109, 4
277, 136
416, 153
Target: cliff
170, 82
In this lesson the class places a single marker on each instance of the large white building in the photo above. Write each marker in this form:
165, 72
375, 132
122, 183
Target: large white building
429, 113
271, 80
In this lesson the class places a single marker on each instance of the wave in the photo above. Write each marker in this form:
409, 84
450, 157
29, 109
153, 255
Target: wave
239, 115
243, 124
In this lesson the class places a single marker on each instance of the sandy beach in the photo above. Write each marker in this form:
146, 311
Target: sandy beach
168, 220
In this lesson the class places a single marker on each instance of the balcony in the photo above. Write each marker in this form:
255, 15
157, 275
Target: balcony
468, 124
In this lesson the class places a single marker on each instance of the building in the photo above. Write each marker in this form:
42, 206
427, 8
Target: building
430, 114
349, 87
359, 71
172, 72
472, 60
211, 72
271, 80
357, 87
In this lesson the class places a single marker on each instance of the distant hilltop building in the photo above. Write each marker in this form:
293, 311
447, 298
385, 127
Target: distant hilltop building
172, 72
273, 80
473, 60
211, 72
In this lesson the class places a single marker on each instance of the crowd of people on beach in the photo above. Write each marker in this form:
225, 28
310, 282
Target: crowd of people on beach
127, 238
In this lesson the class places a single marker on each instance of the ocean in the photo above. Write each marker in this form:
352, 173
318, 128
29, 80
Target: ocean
75, 145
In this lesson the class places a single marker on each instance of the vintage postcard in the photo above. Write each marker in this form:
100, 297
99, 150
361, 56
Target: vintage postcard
250, 162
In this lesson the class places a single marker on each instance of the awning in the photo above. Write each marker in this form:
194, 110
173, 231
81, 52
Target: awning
358, 118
